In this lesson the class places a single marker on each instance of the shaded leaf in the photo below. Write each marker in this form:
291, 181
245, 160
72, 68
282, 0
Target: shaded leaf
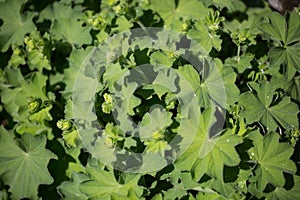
282, 193
15, 25
71, 31
70, 189
24, 163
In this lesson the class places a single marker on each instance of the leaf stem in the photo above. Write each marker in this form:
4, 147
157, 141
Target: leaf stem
143, 27
238, 53
139, 23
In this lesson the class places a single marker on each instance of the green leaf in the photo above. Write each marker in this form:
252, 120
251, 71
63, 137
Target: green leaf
33, 128
232, 5
127, 101
123, 24
241, 64
282, 193
114, 74
159, 89
159, 146
17, 58
8, 97
176, 192
166, 81
71, 137
69, 2
215, 153
209, 196
226, 190
185, 9
76, 60
103, 185
79, 109
36, 59
205, 39
35, 86
191, 75
70, 189
285, 32
4, 195
71, 31
281, 29
161, 59
275, 27
183, 182
293, 28
272, 159
15, 25
208, 152
259, 107
24, 164
194, 122
287, 56
57, 11
157, 120
13, 77
42, 115
217, 84
15, 99
294, 89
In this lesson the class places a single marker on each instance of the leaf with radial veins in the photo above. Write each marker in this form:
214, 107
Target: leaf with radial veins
294, 89
231, 5
126, 100
226, 189
70, 189
157, 120
23, 163
15, 99
114, 74
193, 129
258, 107
217, 84
71, 74
291, 194
185, 9
272, 158
206, 40
215, 153
15, 25
71, 31
103, 185
286, 33
58, 10
208, 154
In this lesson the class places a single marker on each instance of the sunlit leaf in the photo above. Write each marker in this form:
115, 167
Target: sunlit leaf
272, 157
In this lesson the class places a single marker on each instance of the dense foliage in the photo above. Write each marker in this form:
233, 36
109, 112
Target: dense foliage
97, 105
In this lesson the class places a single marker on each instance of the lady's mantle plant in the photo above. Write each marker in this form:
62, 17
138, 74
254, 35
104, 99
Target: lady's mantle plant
149, 99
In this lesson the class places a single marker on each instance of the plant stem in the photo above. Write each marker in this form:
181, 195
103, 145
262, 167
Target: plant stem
238, 53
